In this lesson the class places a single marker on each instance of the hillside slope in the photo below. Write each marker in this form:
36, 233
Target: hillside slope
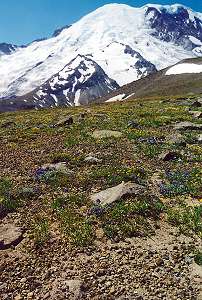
162, 85
58, 242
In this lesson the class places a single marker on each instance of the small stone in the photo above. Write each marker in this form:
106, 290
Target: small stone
10, 235
199, 138
196, 114
108, 284
46, 296
18, 297
101, 272
91, 159
188, 126
188, 259
112, 290
99, 233
196, 104
133, 124
30, 295
100, 134
159, 261
82, 117
60, 167
169, 155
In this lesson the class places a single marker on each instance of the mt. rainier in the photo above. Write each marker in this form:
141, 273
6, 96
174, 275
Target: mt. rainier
122, 43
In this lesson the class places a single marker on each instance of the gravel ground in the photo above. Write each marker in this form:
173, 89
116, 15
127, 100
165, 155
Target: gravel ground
161, 267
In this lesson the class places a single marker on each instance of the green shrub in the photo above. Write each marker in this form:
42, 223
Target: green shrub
75, 228
198, 258
186, 218
7, 201
40, 230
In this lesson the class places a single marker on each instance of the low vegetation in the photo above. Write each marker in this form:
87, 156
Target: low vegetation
58, 202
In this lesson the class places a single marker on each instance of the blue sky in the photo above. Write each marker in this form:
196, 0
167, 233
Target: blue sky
22, 21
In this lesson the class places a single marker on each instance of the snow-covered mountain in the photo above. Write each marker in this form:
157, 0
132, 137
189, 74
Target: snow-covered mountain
59, 30
8, 48
123, 42
78, 83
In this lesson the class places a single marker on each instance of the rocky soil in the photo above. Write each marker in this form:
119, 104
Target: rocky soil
161, 267
101, 202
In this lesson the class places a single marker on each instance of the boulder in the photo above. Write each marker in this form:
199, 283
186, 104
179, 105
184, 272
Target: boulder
100, 134
63, 288
111, 195
10, 235
187, 126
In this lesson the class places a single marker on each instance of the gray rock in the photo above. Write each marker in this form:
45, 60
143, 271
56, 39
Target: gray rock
67, 121
10, 235
92, 159
188, 126
113, 194
60, 167
199, 138
99, 134
177, 139
81, 117
101, 115
196, 114
75, 287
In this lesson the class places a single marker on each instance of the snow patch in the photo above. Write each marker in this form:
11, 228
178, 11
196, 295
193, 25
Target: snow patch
129, 96
40, 93
77, 96
116, 98
184, 68
195, 41
55, 99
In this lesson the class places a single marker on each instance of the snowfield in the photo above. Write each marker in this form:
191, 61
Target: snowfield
184, 68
